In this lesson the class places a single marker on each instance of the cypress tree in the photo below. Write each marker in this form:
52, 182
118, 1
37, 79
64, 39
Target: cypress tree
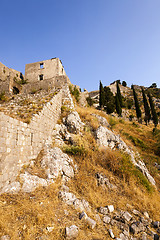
101, 95
146, 107
154, 114
138, 110
109, 100
118, 106
119, 94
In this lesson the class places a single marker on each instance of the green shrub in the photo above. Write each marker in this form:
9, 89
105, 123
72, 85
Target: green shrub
75, 150
75, 92
2, 96
112, 122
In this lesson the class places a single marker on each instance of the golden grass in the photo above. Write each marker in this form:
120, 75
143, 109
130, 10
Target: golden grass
27, 216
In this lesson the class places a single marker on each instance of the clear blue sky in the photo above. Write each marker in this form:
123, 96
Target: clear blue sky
95, 39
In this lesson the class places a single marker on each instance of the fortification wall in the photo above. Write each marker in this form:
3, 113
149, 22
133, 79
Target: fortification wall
5, 72
47, 69
21, 142
52, 83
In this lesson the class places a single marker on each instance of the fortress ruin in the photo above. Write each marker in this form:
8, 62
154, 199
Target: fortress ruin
45, 75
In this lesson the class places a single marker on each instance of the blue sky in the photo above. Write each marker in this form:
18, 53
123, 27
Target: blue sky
95, 39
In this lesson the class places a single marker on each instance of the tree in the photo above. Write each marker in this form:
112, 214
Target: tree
138, 110
124, 84
154, 85
154, 114
119, 94
146, 107
109, 100
101, 95
118, 106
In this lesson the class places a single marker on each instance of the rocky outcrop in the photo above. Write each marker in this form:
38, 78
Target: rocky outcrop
73, 123
106, 138
56, 163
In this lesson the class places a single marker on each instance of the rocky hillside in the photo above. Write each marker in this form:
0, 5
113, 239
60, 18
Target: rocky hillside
99, 179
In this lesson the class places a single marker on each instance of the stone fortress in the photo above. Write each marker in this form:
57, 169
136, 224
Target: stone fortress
19, 141
40, 75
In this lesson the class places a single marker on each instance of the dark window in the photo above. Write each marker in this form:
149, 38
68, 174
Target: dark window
15, 90
41, 77
21, 76
41, 65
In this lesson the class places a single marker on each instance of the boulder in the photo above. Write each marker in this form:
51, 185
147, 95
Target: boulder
13, 187
103, 210
56, 163
31, 182
67, 197
73, 123
111, 233
103, 121
71, 232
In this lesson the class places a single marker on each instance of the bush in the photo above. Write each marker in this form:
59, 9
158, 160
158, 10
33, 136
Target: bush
112, 122
74, 92
90, 101
75, 150
2, 96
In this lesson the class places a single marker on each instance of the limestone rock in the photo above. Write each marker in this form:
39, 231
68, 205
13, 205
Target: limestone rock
110, 208
71, 232
103, 121
73, 123
31, 182
127, 216
5, 237
56, 163
91, 223
13, 187
67, 197
111, 233
103, 210
106, 219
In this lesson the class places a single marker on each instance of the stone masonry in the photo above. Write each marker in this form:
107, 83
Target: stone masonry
21, 142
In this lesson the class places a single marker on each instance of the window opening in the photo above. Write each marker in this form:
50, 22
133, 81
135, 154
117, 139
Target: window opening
41, 66
15, 90
41, 77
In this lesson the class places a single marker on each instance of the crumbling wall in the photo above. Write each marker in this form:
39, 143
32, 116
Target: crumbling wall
21, 142
7, 79
47, 69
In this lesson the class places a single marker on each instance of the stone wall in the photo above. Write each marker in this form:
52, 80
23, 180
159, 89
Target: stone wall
55, 82
48, 69
21, 142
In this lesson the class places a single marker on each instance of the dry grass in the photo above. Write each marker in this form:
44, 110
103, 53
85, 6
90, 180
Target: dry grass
27, 216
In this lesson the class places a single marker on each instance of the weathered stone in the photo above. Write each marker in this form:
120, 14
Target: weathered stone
103, 121
135, 212
56, 163
127, 216
103, 210
144, 236
110, 208
111, 233
146, 214
71, 232
123, 237
90, 222
82, 214
137, 227
5, 237
13, 187
73, 123
67, 197
31, 182
106, 219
